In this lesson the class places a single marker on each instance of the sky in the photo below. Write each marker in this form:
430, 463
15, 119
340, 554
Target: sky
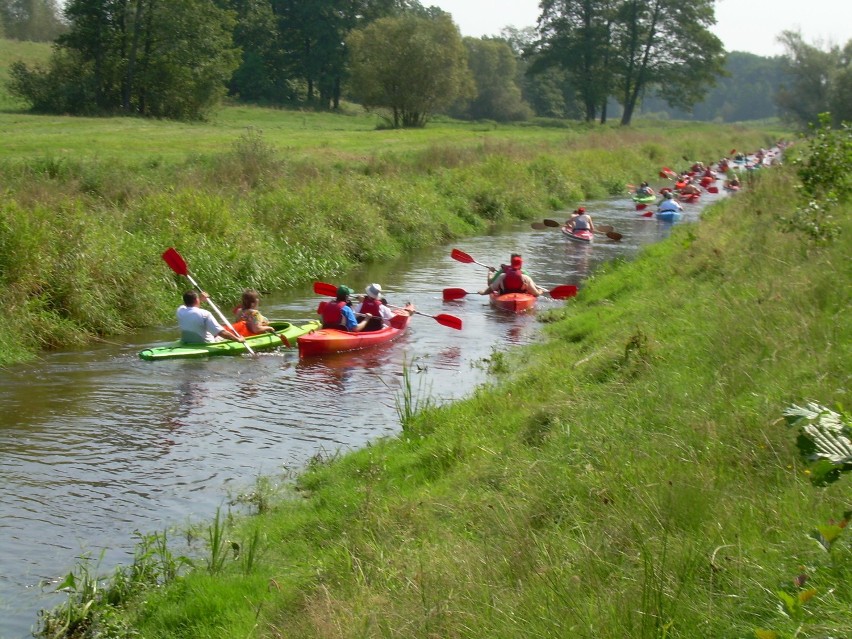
741, 25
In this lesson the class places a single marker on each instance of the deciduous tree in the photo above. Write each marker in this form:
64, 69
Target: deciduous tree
413, 66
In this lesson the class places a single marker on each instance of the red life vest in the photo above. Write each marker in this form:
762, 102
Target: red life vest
513, 282
371, 306
332, 315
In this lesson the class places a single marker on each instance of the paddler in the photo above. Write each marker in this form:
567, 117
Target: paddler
339, 314
580, 221
376, 306
198, 326
513, 280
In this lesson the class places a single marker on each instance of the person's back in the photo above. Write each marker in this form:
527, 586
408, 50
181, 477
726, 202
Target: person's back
197, 326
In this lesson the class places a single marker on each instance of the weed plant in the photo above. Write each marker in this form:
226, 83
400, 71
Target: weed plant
630, 476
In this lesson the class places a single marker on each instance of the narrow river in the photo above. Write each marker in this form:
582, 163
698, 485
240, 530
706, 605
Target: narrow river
97, 444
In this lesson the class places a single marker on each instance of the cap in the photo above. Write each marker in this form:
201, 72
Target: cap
581, 210
374, 291
344, 291
517, 261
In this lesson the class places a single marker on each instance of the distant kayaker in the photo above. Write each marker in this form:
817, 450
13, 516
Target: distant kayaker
198, 326
513, 280
582, 221
644, 189
249, 320
690, 189
339, 314
669, 204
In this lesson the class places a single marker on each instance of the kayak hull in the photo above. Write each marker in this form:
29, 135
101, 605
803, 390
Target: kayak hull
644, 199
669, 216
513, 302
285, 334
583, 237
326, 341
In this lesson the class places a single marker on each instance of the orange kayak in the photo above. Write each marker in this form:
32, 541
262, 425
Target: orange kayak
325, 341
513, 302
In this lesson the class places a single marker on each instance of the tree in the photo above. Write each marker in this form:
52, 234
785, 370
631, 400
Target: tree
575, 37
665, 43
145, 57
626, 47
412, 65
36, 20
817, 81
494, 71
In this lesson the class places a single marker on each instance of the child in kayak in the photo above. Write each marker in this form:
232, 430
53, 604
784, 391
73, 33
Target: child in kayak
249, 320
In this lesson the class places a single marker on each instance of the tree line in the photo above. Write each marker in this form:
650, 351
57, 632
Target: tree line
585, 59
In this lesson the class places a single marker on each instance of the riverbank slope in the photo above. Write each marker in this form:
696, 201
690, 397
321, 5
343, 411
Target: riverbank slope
629, 476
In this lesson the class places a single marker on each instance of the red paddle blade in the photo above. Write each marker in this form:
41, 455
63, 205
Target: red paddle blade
552, 223
449, 320
451, 294
175, 261
561, 292
641, 207
461, 256
322, 288
614, 236
648, 214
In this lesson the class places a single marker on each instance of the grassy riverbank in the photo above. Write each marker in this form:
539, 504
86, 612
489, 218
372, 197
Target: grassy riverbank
271, 199
630, 476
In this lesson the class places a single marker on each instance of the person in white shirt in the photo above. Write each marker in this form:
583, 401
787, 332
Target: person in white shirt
198, 326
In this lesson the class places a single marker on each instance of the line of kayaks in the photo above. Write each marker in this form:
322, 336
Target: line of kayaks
310, 339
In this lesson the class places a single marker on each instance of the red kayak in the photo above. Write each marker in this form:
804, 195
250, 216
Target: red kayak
689, 197
513, 302
334, 340
584, 236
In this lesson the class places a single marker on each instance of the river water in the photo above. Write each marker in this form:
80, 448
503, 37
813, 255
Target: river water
97, 444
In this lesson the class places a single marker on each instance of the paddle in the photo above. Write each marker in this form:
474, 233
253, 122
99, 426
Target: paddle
442, 318
323, 288
552, 223
641, 207
461, 256
178, 265
558, 292
647, 214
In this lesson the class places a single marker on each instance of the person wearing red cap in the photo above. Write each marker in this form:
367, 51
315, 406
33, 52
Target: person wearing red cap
513, 280
580, 221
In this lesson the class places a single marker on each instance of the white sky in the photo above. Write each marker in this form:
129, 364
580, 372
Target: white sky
742, 25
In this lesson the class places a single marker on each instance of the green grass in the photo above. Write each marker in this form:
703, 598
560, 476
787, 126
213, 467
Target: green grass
12, 51
631, 476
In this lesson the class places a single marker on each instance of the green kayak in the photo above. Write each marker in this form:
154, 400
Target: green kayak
285, 335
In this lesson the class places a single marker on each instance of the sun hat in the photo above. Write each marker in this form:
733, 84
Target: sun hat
374, 291
517, 261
